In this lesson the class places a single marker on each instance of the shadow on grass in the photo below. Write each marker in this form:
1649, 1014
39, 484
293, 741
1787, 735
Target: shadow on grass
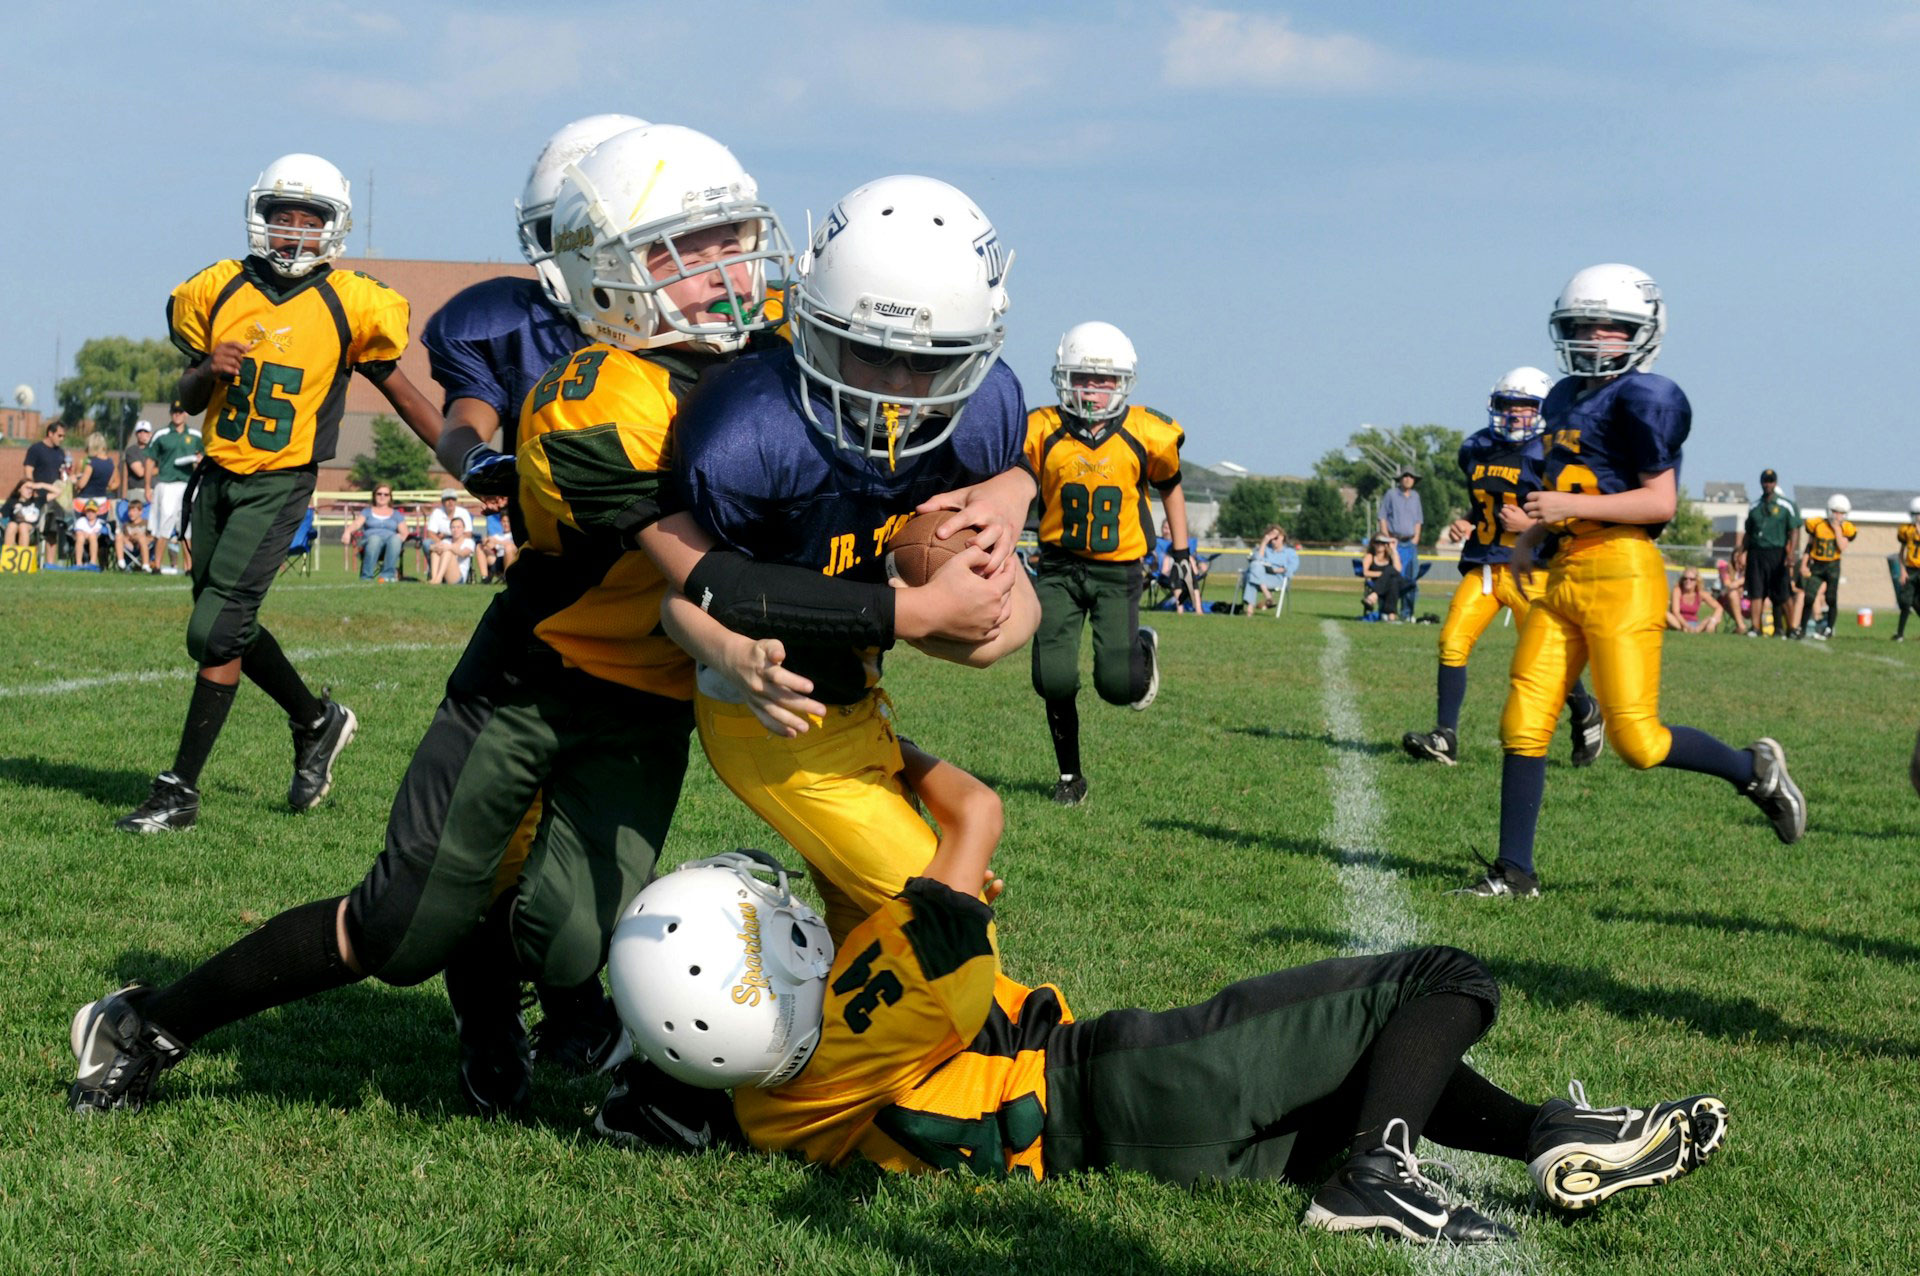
1307, 847
1001, 784
109, 786
1295, 735
1849, 942
1000, 1228
344, 1048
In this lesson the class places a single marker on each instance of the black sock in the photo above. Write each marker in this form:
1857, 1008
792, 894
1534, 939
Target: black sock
483, 975
1453, 689
1904, 613
1476, 1115
1523, 783
1063, 722
1577, 696
1697, 751
295, 955
1413, 1062
206, 714
270, 670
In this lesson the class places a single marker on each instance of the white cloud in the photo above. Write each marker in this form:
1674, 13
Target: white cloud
938, 66
1219, 48
477, 61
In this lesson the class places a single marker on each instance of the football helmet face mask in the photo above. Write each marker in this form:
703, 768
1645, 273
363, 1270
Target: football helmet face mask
1513, 406
905, 272
1094, 350
720, 974
1616, 296
305, 181
632, 198
533, 211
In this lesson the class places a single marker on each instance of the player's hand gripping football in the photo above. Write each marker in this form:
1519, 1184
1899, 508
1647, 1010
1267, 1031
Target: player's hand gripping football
995, 510
966, 601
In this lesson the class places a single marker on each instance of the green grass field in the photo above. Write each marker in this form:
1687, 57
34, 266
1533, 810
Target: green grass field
1259, 815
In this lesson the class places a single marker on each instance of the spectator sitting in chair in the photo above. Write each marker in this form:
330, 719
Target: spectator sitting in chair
1692, 610
1729, 588
1381, 571
497, 550
96, 483
1271, 566
453, 553
1184, 598
22, 513
383, 530
440, 522
87, 526
131, 537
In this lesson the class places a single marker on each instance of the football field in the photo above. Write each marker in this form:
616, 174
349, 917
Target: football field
1259, 815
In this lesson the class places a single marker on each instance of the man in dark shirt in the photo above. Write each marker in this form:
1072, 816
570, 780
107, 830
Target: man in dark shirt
48, 468
136, 470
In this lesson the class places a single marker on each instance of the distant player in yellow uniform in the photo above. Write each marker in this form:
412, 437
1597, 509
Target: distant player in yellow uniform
908, 1047
272, 340
1827, 540
1906, 578
1614, 433
1095, 456
1502, 465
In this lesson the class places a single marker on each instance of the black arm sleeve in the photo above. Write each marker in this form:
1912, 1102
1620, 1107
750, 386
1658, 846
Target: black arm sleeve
793, 604
376, 370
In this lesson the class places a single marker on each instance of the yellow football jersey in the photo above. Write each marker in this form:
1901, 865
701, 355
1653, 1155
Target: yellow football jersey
929, 1057
595, 454
303, 338
1822, 544
1093, 491
1909, 535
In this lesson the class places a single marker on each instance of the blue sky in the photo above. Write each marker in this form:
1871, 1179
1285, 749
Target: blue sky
1306, 215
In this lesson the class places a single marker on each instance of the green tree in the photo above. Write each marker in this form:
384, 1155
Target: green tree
1323, 516
149, 368
1433, 450
1689, 534
1249, 507
398, 458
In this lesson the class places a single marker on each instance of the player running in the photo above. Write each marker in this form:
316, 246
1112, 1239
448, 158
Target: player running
1095, 456
1614, 432
1502, 465
271, 339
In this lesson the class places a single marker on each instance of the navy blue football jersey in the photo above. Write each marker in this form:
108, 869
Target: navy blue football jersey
493, 341
1604, 439
1498, 472
763, 479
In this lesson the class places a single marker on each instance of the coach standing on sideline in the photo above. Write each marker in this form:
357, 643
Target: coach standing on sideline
1773, 531
1401, 518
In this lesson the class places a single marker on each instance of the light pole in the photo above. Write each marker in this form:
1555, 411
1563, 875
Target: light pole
123, 397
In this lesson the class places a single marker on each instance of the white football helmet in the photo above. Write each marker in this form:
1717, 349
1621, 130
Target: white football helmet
309, 182
904, 271
637, 192
1613, 294
533, 211
1520, 388
1913, 509
720, 975
1100, 350
1839, 506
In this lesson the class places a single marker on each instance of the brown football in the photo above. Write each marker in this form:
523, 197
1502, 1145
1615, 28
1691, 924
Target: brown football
915, 554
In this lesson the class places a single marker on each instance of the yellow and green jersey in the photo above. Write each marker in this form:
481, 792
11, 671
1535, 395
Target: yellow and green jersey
303, 339
1823, 544
1093, 488
1909, 536
929, 1057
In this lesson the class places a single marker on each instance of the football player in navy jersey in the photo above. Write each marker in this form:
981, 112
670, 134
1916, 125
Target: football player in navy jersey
487, 348
891, 398
1502, 465
1614, 433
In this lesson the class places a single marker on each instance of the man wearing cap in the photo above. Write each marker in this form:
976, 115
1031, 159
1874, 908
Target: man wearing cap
1401, 518
440, 521
172, 457
136, 466
1773, 532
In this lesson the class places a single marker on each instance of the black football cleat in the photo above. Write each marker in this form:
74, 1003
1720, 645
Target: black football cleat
1070, 791
1152, 637
496, 1065
117, 1053
1503, 877
1385, 1191
647, 1108
1580, 1155
1589, 732
1437, 745
1775, 793
171, 806
580, 1036
314, 749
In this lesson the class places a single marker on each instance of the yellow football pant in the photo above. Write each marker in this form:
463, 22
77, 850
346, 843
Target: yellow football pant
835, 793
1478, 598
1605, 605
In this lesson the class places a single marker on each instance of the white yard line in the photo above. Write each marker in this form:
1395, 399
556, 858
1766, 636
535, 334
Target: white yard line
1379, 918
135, 676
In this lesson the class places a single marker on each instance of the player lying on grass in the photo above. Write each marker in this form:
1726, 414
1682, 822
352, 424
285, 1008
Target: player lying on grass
909, 1047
